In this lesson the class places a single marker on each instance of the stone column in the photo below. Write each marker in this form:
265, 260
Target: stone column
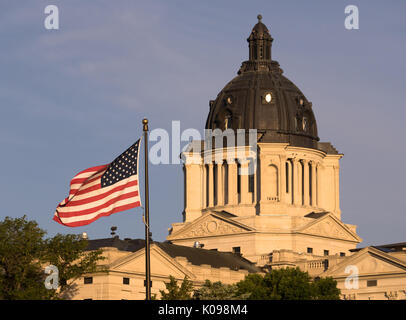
289, 179
193, 191
255, 193
220, 184
320, 194
211, 184
296, 180
282, 179
337, 188
314, 185
225, 183
204, 186
300, 182
232, 182
245, 196
306, 183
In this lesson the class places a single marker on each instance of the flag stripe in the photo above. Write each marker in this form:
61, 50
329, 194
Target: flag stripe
96, 200
84, 214
97, 190
83, 175
80, 223
89, 181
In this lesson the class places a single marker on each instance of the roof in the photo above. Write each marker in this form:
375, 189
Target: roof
131, 245
316, 215
196, 256
392, 247
225, 214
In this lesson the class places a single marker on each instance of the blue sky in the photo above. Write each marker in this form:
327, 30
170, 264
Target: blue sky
75, 97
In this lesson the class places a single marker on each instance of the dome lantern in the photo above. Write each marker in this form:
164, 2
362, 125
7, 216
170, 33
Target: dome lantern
260, 42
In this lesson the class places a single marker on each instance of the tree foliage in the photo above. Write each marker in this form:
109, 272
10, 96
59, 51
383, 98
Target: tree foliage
326, 289
176, 292
67, 253
24, 253
288, 284
216, 291
279, 284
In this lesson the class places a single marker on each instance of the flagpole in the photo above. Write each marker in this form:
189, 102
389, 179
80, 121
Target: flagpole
147, 229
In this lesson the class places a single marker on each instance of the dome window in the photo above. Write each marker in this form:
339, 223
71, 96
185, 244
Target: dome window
267, 98
228, 123
305, 123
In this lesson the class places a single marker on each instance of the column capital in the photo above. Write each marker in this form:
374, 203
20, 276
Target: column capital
304, 161
243, 161
295, 159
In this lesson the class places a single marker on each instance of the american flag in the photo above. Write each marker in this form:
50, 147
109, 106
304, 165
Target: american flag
102, 190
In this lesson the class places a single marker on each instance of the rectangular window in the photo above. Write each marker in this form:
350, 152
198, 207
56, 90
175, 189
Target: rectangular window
126, 280
88, 280
372, 283
342, 254
287, 176
237, 250
309, 250
326, 252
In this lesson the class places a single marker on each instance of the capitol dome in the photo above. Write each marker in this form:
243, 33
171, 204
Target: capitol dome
261, 98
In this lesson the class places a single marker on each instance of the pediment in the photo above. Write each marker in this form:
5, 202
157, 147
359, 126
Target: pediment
368, 261
161, 264
331, 227
210, 224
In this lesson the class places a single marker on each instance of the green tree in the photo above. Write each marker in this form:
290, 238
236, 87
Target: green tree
24, 254
176, 292
216, 291
21, 250
325, 289
67, 253
287, 284
253, 287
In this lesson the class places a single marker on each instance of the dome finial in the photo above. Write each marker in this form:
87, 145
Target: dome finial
259, 18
